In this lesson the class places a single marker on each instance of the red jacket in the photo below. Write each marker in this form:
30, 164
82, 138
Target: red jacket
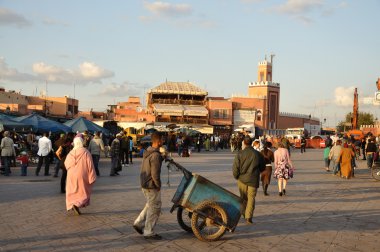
24, 159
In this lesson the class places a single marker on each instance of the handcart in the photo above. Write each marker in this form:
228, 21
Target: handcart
203, 207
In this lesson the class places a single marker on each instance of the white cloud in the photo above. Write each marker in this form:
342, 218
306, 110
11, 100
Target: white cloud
12, 74
86, 72
180, 15
164, 9
344, 96
91, 71
303, 10
120, 90
299, 7
9, 17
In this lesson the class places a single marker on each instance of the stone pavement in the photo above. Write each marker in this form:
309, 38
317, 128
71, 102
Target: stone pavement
320, 212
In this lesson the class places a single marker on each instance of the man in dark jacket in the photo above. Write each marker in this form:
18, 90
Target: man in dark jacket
115, 156
57, 144
124, 150
246, 169
151, 185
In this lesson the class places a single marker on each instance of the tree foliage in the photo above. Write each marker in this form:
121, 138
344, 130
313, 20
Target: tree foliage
364, 119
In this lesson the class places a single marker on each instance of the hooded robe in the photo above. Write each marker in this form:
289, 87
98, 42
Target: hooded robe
80, 177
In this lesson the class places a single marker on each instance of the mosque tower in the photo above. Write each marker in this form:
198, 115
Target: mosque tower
265, 88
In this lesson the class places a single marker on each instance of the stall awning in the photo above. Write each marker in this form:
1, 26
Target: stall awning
195, 111
204, 129
164, 109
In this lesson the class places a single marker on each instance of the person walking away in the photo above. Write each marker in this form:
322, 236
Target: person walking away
57, 144
207, 144
131, 149
24, 160
363, 144
345, 157
283, 166
44, 149
179, 145
86, 139
171, 143
151, 186
30, 140
199, 143
216, 142
326, 158
267, 173
105, 140
370, 151
246, 169
286, 143
7, 152
303, 144
80, 177
66, 148
328, 141
95, 147
351, 145
115, 155
124, 150
334, 156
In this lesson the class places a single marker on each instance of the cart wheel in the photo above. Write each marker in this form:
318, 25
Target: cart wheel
207, 221
376, 172
184, 219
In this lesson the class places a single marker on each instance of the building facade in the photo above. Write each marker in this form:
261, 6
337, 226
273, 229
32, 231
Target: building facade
220, 114
18, 104
132, 111
178, 102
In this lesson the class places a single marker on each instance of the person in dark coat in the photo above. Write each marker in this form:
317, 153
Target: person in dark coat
267, 173
246, 170
66, 148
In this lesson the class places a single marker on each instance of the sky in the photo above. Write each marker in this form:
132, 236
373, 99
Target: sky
102, 52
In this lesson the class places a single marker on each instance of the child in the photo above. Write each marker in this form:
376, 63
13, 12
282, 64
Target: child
24, 159
326, 153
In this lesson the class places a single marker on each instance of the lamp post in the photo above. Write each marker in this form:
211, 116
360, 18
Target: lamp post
310, 124
324, 121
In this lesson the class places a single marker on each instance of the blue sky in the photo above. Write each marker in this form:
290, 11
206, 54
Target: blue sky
114, 49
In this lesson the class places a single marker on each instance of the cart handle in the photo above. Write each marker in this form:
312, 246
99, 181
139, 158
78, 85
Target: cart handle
186, 173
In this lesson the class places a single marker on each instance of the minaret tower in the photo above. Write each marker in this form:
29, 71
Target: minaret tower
265, 88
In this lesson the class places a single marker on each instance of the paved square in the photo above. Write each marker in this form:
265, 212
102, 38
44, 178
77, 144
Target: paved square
320, 212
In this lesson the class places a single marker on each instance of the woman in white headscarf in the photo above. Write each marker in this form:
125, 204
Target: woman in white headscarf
80, 176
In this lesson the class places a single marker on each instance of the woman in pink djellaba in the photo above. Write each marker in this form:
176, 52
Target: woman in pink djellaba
80, 177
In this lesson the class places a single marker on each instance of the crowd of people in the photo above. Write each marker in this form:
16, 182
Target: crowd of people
78, 155
341, 154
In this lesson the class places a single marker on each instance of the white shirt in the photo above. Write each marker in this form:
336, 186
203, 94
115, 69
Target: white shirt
44, 146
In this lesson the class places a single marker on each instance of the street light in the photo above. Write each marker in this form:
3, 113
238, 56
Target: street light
310, 124
324, 121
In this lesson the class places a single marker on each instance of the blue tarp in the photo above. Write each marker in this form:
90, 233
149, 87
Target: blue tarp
8, 123
81, 124
42, 124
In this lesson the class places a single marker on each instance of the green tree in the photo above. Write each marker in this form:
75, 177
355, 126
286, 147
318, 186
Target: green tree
364, 119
